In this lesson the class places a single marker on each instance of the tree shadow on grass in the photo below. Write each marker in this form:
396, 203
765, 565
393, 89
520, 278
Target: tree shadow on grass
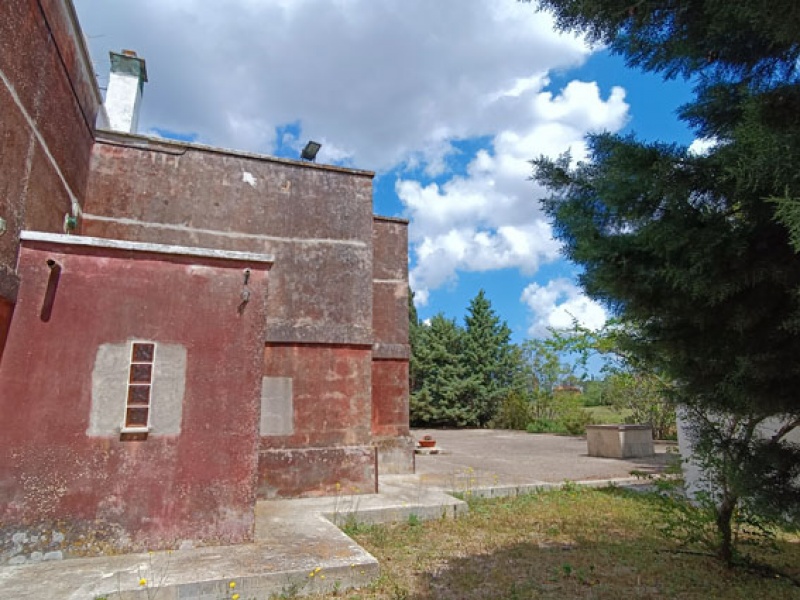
611, 570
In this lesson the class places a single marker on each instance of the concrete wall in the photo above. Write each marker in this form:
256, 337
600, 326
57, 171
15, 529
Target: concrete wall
48, 104
329, 447
275, 399
70, 482
391, 350
694, 479
317, 221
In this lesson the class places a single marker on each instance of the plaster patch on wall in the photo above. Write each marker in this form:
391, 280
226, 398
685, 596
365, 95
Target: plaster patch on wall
110, 389
248, 178
169, 385
277, 407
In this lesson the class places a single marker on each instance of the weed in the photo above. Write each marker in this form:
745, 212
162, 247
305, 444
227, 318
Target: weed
345, 510
290, 591
570, 487
351, 525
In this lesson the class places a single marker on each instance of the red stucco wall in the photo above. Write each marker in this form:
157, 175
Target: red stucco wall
332, 406
390, 398
6, 312
317, 221
390, 327
48, 105
60, 483
390, 352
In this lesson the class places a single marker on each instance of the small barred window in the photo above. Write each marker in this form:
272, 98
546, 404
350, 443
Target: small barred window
140, 382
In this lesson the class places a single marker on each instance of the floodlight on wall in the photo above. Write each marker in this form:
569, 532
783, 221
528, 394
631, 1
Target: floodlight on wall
310, 151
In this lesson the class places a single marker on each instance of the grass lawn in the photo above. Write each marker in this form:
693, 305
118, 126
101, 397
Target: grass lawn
577, 543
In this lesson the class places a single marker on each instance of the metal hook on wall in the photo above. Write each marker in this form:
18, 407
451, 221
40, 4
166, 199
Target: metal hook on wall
245, 295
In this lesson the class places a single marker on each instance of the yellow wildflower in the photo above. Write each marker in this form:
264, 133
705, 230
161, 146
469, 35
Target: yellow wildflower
232, 584
143, 581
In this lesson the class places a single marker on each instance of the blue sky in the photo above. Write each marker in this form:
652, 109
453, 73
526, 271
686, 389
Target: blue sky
652, 116
446, 101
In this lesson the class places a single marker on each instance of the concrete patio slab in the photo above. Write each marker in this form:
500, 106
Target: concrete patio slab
486, 458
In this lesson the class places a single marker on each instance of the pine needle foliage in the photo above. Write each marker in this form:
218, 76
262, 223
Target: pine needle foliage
699, 252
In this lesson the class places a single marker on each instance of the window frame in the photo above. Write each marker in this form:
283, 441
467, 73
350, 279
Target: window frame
134, 381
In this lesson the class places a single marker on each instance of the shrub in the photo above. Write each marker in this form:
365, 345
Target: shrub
575, 422
514, 412
544, 426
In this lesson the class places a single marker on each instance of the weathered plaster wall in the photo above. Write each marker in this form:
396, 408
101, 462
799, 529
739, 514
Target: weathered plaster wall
391, 350
330, 439
315, 220
390, 398
390, 286
48, 104
66, 488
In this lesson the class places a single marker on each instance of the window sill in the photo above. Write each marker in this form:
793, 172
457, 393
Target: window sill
124, 429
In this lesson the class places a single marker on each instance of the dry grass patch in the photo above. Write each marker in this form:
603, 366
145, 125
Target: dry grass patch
577, 543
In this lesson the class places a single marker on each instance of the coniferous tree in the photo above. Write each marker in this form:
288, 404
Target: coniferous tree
489, 358
734, 40
698, 253
441, 395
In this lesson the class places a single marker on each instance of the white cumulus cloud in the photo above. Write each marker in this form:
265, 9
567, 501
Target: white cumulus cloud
702, 146
382, 84
380, 81
490, 218
558, 304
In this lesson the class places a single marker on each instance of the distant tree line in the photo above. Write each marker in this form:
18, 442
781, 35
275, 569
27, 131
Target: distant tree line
474, 376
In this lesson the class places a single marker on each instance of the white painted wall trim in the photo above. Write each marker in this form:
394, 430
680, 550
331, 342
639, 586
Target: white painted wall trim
93, 242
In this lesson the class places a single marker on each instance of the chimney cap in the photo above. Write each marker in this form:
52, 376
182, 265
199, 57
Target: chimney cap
128, 63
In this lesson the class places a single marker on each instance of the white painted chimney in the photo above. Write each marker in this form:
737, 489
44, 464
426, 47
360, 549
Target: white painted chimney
124, 92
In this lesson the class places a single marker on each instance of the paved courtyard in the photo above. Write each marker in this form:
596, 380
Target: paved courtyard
471, 458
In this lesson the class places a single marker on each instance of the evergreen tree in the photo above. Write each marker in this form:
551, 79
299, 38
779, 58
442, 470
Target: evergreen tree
728, 40
489, 358
444, 386
698, 253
